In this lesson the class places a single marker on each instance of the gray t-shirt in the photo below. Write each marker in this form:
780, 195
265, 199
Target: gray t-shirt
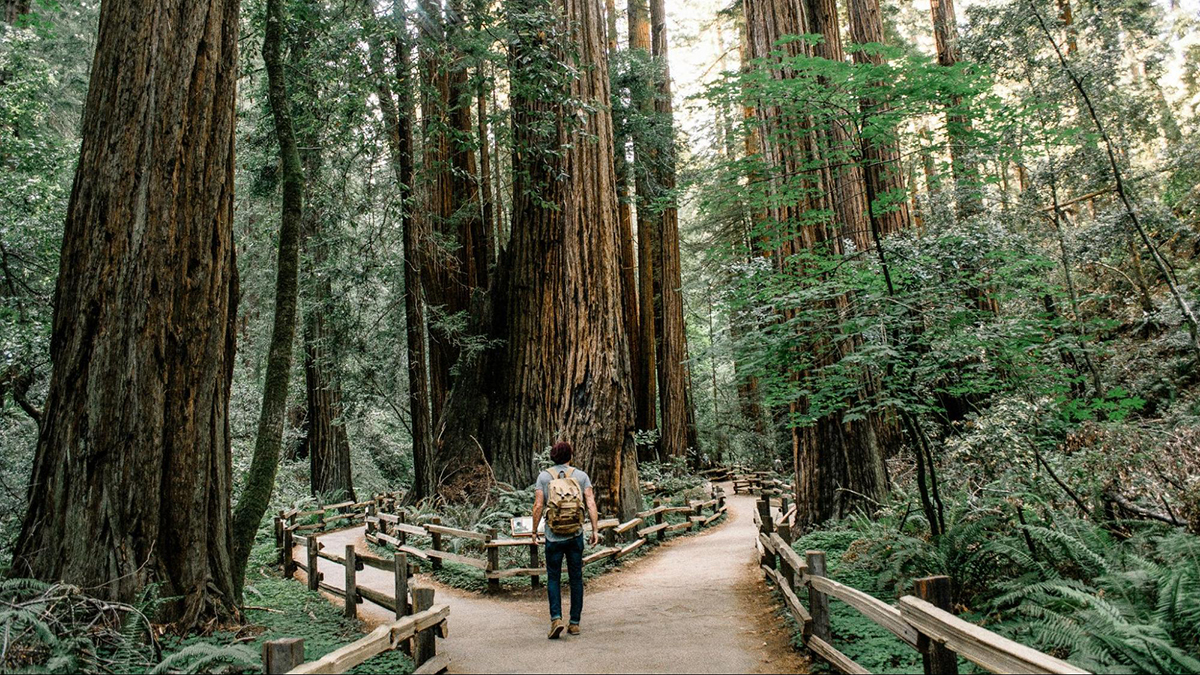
543, 484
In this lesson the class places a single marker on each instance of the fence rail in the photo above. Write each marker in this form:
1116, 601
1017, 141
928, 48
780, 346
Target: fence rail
923, 623
414, 634
389, 526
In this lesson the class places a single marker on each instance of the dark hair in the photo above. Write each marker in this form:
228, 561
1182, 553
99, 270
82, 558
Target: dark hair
561, 452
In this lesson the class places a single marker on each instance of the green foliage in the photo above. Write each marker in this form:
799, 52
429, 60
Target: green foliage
277, 608
1033, 573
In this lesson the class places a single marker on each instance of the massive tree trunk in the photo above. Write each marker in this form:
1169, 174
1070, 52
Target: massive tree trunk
837, 464
881, 163
325, 438
458, 255
846, 194
260, 480
563, 368
131, 479
642, 102
678, 416
397, 125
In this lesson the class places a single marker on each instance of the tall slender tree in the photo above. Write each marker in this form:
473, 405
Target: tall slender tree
132, 474
260, 479
958, 123
326, 441
398, 128
642, 107
837, 464
631, 310
675, 391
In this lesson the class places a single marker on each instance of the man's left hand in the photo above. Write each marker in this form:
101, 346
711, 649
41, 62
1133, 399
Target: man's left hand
595, 538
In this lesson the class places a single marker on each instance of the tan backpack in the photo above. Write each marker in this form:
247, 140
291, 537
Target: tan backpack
564, 504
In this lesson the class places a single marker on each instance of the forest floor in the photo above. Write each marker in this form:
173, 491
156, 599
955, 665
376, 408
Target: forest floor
696, 604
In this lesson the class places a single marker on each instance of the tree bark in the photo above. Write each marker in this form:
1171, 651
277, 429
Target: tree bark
563, 369
881, 165
260, 480
132, 474
647, 236
325, 437
675, 401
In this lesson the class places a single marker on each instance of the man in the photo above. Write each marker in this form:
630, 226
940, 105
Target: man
563, 485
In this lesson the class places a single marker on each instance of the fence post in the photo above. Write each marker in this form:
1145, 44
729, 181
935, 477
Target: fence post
785, 567
934, 655
783, 507
720, 498
401, 535
818, 602
279, 535
435, 563
535, 580
281, 656
493, 561
351, 583
610, 538
370, 513
289, 567
764, 516
426, 642
400, 570
658, 519
314, 576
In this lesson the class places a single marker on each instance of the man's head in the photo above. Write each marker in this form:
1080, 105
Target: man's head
561, 452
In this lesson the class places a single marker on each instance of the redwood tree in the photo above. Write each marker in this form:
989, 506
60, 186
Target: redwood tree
834, 461
458, 254
642, 103
398, 127
958, 124
674, 385
131, 479
562, 370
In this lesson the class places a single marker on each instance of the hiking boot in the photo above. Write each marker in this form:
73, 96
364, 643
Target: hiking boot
556, 629
573, 629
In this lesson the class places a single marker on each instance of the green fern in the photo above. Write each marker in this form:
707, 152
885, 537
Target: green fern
203, 657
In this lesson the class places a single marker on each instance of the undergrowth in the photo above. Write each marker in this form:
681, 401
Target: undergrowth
54, 628
1116, 597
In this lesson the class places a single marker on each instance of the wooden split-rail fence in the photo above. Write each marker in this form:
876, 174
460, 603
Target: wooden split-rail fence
393, 529
416, 634
417, 622
923, 622
760, 483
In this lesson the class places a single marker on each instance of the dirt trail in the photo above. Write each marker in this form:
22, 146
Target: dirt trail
696, 605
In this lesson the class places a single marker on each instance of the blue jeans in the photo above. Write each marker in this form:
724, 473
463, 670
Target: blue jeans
573, 550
